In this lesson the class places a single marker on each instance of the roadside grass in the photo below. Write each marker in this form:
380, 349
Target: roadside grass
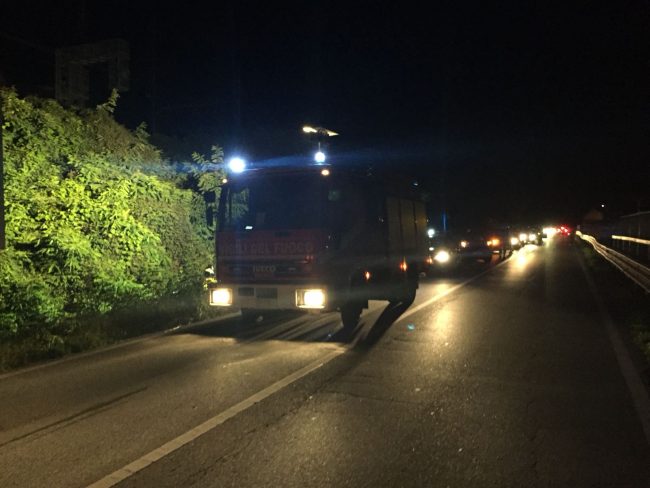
91, 332
627, 302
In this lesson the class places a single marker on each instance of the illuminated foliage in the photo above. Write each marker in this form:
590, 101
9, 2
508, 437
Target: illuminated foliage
96, 219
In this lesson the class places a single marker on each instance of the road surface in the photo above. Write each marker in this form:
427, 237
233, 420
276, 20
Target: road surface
500, 377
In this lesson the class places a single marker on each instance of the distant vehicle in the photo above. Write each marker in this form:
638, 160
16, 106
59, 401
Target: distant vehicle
532, 235
317, 239
449, 250
477, 245
444, 253
502, 241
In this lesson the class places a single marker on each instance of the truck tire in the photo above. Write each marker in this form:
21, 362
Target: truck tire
350, 314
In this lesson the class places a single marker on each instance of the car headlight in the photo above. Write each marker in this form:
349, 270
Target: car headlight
442, 257
523, 237
532, 237
514, 241
464, 244
311, 298
221, 297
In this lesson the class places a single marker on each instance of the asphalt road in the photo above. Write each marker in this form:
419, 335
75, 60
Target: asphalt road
505, 377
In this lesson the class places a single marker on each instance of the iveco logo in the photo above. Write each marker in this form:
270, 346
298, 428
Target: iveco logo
264, 269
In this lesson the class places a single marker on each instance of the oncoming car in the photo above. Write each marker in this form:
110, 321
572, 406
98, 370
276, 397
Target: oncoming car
449, 250
443, 253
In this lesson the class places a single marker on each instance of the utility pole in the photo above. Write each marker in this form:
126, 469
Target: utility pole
2, 186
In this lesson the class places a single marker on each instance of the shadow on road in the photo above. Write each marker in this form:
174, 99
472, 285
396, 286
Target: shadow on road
387, 318
296, 326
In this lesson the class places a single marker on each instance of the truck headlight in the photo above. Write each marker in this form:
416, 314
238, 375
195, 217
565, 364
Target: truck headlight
442, 257
221, 297
311, 298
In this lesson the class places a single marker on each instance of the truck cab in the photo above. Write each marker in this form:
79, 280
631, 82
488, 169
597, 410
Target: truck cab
317, 239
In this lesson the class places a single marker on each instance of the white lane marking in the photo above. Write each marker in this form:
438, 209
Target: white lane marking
630, 374
180, 441
117, 345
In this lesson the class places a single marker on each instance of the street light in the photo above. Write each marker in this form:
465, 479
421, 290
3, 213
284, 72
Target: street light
321, 133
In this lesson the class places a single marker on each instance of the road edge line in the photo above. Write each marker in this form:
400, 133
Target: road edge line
631, 376
157, 454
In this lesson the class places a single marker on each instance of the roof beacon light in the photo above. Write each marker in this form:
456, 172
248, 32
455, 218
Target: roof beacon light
319, 157
236, 165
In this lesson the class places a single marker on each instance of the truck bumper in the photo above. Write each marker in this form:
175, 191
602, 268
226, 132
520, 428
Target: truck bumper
271, 296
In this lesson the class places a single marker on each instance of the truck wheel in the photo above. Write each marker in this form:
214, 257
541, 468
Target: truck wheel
350, 314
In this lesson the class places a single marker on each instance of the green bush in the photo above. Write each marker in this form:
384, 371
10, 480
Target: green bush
96, 219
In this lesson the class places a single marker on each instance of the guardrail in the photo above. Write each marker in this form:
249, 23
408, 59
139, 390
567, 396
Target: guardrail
632, 239
629, 235
634, 270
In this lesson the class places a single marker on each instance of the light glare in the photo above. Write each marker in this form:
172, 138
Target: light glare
312, 298
319, 157
237, 165
442, 257
221, 296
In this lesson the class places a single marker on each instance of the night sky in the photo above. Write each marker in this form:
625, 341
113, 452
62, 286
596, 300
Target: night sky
524, 112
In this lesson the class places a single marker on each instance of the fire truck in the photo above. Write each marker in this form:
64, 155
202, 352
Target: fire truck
317, 239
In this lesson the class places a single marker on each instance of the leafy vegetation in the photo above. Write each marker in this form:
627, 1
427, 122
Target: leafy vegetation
98, 223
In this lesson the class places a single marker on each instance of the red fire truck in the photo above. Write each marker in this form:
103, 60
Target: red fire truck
317, 239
